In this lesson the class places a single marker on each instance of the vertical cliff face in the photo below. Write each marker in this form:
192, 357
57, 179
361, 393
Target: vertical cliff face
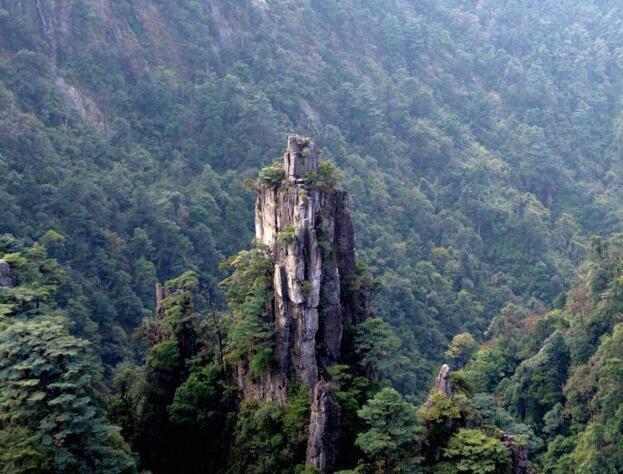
324, 429
307, 228
304, 223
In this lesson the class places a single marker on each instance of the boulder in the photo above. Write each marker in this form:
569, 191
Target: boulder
7, 279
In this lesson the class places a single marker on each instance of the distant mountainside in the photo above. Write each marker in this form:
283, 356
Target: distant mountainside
480, 141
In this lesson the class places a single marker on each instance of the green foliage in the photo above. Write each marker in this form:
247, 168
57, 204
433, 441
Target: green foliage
186, 281
271, 439
22, 452
377, 346
287, 235
178, 305
440, 410
48, 402
272, 174
472, 451
248, 290
392, 434
351, 391
537, 384
480, 158
204, 404
326, 177
461, 349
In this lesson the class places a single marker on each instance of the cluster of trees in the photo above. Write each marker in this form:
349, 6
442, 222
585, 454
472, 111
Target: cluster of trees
52, 400
557, 376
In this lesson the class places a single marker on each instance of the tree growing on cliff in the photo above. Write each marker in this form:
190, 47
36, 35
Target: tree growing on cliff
248, 290
461, 349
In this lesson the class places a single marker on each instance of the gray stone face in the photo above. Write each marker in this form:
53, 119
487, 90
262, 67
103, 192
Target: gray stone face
301, 157
7, 279
442, 382
309, 234
324, 429
318, 255
161, 293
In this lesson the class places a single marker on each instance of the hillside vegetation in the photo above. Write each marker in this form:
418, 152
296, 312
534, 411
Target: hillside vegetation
480, 143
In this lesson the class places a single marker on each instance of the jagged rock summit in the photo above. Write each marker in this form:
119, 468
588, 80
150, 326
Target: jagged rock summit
442, 382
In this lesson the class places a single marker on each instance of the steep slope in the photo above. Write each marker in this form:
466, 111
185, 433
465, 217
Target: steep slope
559, 374
463, 130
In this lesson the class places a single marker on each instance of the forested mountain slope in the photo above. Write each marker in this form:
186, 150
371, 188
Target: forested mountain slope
480, 142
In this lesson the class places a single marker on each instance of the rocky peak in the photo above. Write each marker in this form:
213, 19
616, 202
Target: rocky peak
308, 231
442, 382
301, 157
7, 279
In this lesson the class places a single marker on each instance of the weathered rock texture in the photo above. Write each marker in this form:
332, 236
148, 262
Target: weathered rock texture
161, 293
309, 233
306, 226
442, 382
324, 429
519, 454
7, 279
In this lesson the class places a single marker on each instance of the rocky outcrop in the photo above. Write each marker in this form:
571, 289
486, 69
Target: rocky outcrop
308, 231
324, 429
305, 224
519, 454
161, 294
7, 279
83, 104
442, 382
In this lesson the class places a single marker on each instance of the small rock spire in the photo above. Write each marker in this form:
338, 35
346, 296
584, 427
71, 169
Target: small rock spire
161, 294
442, 382
324, 429
301, 157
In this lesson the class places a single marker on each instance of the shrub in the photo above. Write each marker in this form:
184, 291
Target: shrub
472, 451
326, 177
272, 174
286, 236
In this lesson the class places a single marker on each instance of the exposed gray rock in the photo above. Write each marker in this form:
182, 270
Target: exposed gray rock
161, 293
442, 382
7, 279
82, 103
301, 157
324, 429
320, 255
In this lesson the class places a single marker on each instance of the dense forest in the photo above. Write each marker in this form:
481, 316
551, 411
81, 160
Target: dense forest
480, 144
